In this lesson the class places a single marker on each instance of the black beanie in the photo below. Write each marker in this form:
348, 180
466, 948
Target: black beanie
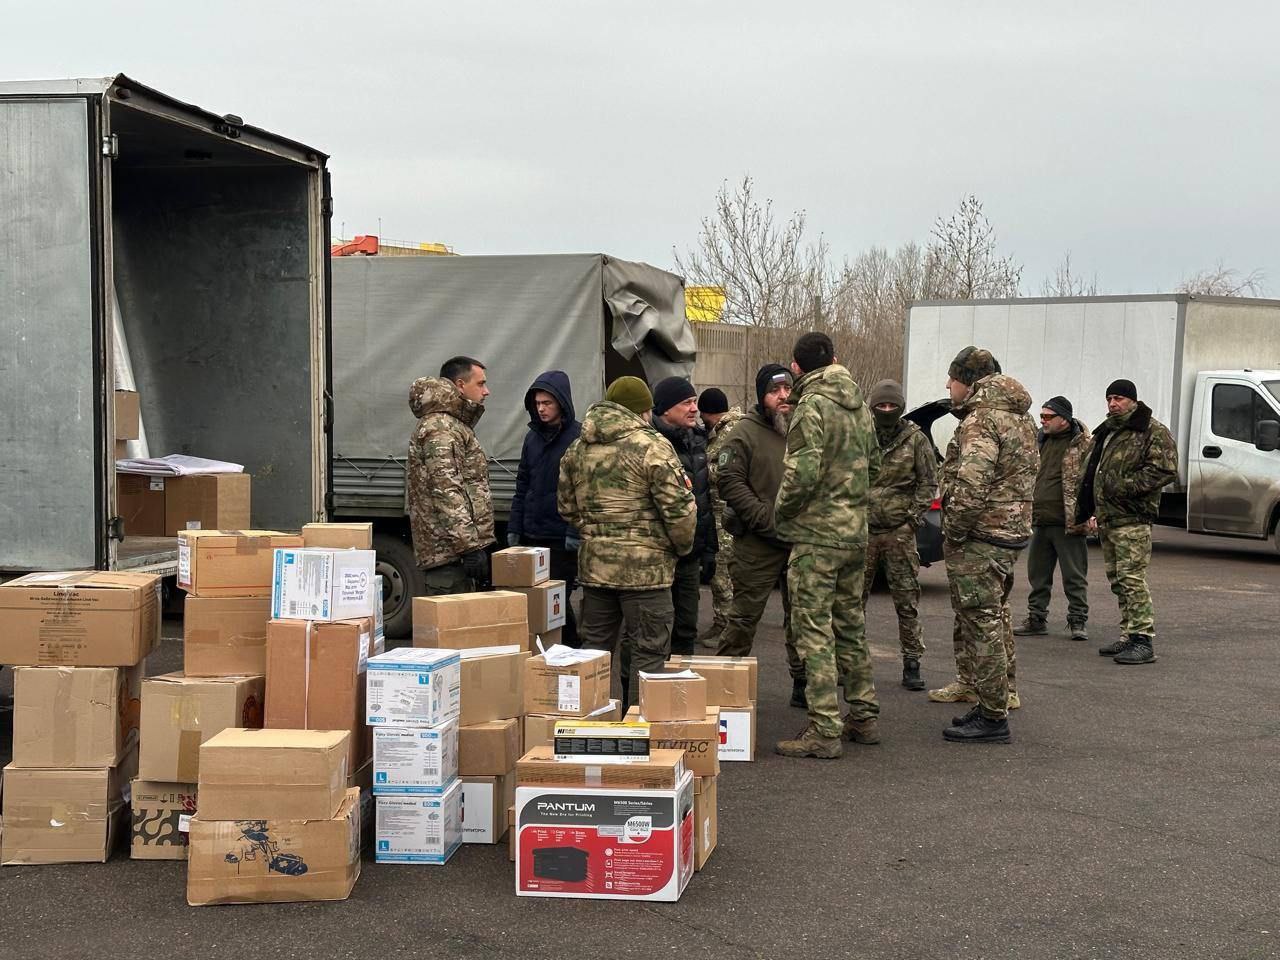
713, 400
767, 376
669, 392
1061, 406
1122, 388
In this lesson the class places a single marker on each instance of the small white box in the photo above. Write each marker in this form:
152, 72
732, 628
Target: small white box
484, 807
418, 829
413, 687
379, 636
408, 760
738, 733
323, 584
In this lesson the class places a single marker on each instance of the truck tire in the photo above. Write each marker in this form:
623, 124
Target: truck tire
401, 582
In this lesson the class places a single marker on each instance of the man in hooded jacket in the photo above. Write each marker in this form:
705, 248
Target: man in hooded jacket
535, 520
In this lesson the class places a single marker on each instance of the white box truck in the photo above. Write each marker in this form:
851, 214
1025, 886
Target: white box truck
1208, 367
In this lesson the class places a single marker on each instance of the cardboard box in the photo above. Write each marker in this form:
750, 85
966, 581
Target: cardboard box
574, 683
706, 825
539, 728
273, 774
225, 636
140, 504
419, 829
521, 566
315, 679
79, 619
414, 687
212, 501
492, 683
673, 696
379, 634
549, 638
120, 449
547, 603
128, 416
324, 584
338, 536
699, 739
180, 713
661, 771
229, 563
275, 860
75, 717
161, 821
415, 760
511, 833
64, 816
605, 844
738, 733
489, 749
485, 801
731, 681
460, 621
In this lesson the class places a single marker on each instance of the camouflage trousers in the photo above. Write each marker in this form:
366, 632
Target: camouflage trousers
1126, 554
721, 588
634, 626
981, 579
447, 578
896, 552
830, 633
758, 565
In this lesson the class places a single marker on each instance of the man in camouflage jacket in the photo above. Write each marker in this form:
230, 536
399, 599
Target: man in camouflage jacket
987, 480
821, 510
1131, 459
447, 483
623, 489
900, 497
718, 418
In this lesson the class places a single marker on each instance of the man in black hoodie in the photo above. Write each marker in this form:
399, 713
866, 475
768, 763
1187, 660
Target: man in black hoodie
535, 521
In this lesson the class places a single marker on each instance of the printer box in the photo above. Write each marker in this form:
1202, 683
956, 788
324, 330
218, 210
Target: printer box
413, 687
706, 827
418, 829
484, 807
323, 584
409, 760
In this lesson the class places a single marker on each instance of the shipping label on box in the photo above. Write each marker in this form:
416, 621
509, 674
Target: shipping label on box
409, 760
460, 621
485, 801
323, 584
215, 501
547, 604
72, 717
605, 844
338, 536
489, 749
273, 774
567, 681
229, 563
161, 824
225, 636
731, 681
706, 822
180, 713
738, 733
414, 687
673, 696
699, 739
539, 728
521, 566
419, 829
492, 683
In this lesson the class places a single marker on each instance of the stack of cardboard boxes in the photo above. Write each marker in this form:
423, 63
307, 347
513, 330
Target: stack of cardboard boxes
732, 686
78, 641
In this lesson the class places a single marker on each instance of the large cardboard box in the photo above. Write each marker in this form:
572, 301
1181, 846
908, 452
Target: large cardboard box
64, 816
419, 829
414, 687
229, 563
273, 774
316, 679
225, 636
574, 683
213, 501
338, 536
489, 749
324, 584
180, 713
79, 619
128, 417
161, 823
673, 696
738, 733
140, 504
731, 681
492, 683
661, 771
408, 760
72, 717
275, 860
539, 728
605, 844
459, 621
699, 739
706, 825
521, 566
547, 603
485, 801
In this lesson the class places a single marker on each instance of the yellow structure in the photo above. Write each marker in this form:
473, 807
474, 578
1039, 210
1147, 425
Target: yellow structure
704, 304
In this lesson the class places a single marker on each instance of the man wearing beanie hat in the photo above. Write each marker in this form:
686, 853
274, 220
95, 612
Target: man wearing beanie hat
1133, 457
623, 489
987, 481
899, 500
718, 419
1056, 539
675, 416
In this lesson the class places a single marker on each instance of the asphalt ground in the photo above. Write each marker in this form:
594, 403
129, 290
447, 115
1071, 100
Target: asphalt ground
1132, 816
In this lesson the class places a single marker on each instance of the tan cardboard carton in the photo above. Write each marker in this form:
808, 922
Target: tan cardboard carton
79, 619
706, 827
673, 696
521, 566
214, 501
489, 749
128, 417
121, 449
460, 621
547, 604
229, 563
180, 713
225, 636
663, 770
731, 681
75, 717
574, 685
338, 536
140, 504
699, 739
273, 774
539, 728
161, 821
492, 683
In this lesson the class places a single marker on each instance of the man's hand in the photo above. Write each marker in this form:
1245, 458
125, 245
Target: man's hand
513, 539
572, 543
1092, 525
475, 564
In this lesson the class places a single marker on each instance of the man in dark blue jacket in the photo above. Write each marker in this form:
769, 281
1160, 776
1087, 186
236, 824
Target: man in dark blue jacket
535, 522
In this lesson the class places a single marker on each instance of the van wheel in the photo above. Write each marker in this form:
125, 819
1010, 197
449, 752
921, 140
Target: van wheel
401, 582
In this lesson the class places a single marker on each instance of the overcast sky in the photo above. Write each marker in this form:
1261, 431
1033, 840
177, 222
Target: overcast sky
1141, 137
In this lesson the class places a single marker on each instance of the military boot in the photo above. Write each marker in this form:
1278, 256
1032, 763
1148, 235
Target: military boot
954, 692
1033, 626
862, 731
1111, 649
979, 729
1137, 650
1079, 630
964, 718
797, 694
911, 678
810, 743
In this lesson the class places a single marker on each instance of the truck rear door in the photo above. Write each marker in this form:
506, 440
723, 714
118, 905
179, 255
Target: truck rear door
1231, 480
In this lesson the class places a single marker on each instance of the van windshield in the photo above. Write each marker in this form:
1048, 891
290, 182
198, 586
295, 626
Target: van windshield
1273, 387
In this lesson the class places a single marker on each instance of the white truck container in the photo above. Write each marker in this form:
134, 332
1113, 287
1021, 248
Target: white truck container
1208, 367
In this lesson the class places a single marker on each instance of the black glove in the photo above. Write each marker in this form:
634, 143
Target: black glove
475, 564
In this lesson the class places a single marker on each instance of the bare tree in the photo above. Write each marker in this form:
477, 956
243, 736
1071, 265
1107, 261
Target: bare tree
1064, 283
1223, 281
962, 262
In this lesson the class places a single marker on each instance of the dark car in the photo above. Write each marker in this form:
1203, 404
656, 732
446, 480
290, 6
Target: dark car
929, 536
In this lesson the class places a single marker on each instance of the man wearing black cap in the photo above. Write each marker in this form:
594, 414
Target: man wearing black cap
1056, 539
1132, 459
718, 419
675, 415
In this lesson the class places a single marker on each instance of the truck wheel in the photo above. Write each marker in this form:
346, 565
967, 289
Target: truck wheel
401, 582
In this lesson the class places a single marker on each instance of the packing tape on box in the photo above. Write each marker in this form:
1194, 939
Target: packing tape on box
64, 726
51, 814
189, 755
306, 675
210, 635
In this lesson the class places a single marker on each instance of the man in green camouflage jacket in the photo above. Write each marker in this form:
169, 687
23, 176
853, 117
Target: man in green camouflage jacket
718, 418
623, 489
821, 510
900, 497
1132, 458
987, 481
